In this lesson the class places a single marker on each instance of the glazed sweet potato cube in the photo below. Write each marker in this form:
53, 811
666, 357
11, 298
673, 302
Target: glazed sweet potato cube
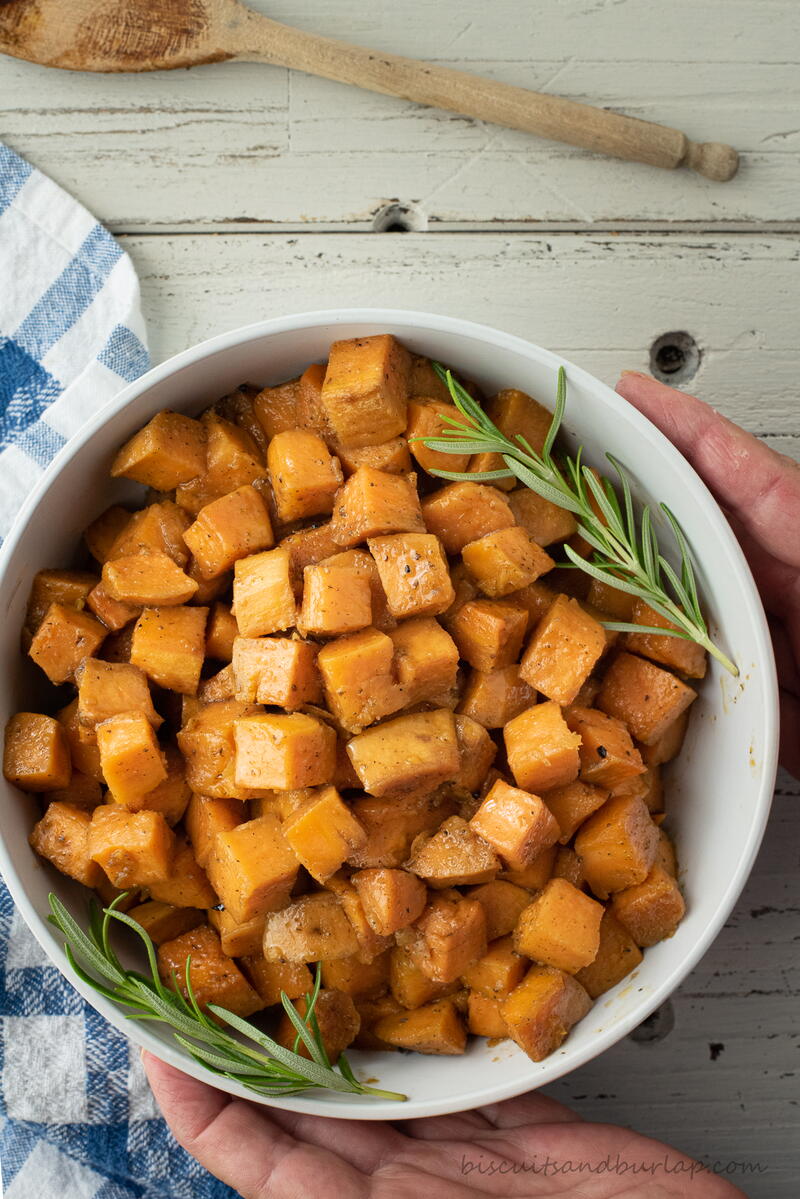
311, 412
666, 856
434, 1028
687, 657
104, 531
169, 797
36, 755
130, 756
370, 944
263, 598
425, 420
215, 978
237, 940
206, 817
569, 866
542, 1009
489, 633
650, 910
275, 408
502, 903
366, 389
169, 646
307, 547
64, 638
323, 832
163, 922
406, 753
455, 856
514, 412
413, 572
411, 988
484, 1018
646, 698
221, 685
517, 825
373, 503
62, 837
337, 599
68, 587
543, 521
209, 750
459, 513
542, 751
364, 566
358, 677
284, 751
113, 613
252, 868
477, 751
425, 659
505, 560
304, 475
81, 791
85, 755
560, 927
208, 590
572, 804
233, 459
392, 824
617, 845
359, 979
156, 529
563, 650
424, 381
392, 899
276, 670
187, 885
617, 955
135, 849
151, 579
271, 978
449, 936
337, 1020
608, 755
170, 449
615, 604
221, 632
668, 745
107, 689
227, 529
498, 972
239, 406
495, 697
313, 928
533, 877
391, 456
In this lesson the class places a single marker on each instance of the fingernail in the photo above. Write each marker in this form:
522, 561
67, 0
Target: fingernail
639, 374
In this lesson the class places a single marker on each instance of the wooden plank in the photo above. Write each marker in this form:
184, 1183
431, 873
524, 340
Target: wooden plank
245, 144
601, 301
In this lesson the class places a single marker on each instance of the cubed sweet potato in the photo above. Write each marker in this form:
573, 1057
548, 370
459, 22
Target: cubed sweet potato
563, 650
239, 406
169, 646
233, 459
613, 603
543, 521
459, 513
163, 922
313, 928
617, 955
205, 817
207, 744
219, 686
337, 1020
373, 503
643, 696
358, 676
518, 825
304, 475
101, 534
151, 579
406, 753
411, 988
392, 824
495, 697
392, 899
425, 420
572, 804
215, 978
187, 885
337, 599
170, 449
484, 1018
666, 856
391, 456
221, 632
114, 614
668, 745
135, 849
542, 1009
62, 837
237, 940
156, 529
608, 755
169, 797
370, 944
365, 391
323, 832
502, 903
252, 868
560, 927
533, 877
477, 752
276, 670
68, 587
687, 657
424, 381
107, 689
448, 937
271, 978
263, 598
617, 845
505, 560
81, 790
434, 1028
130, 756
284, 751
651, 910
514, 412
64, 638
542, 752
488, 633
36, 755
454, 856
413, 572
357, 978
425, 659
84, 754
275, 408
307, 547
498, 972
229, 528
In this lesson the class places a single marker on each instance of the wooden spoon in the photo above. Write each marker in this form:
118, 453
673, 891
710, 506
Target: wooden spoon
156, 35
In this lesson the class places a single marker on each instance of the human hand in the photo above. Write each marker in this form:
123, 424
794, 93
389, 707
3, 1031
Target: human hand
759, 490
520, 1149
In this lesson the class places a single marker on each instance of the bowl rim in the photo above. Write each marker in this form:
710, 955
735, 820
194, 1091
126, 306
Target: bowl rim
554, 1067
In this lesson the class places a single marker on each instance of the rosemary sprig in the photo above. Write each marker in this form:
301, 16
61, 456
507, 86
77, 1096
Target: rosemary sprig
625, 555
257, 1062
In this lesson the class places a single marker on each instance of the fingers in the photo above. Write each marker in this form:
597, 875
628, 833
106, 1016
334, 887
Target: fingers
533, 1108
759, 485
364, 1144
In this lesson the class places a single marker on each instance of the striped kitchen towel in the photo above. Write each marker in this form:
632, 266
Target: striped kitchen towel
77, 1120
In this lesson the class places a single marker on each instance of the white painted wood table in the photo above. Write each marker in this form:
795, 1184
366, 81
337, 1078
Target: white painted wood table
242, 192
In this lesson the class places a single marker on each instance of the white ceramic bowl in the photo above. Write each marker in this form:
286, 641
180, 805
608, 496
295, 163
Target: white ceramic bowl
719, 791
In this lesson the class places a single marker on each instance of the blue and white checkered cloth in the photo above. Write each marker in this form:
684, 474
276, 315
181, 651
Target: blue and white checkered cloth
77, 1120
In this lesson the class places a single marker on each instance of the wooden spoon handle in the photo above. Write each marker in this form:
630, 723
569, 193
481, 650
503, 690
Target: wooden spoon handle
263, 40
